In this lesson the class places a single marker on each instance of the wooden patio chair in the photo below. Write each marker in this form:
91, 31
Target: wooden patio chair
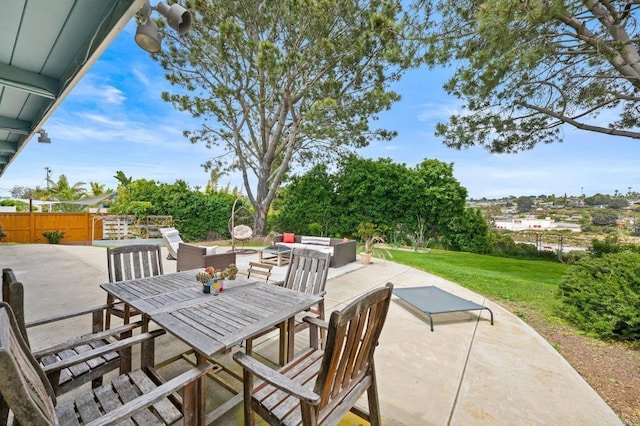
91, 370
321, 386
28, 398
260, 269
128, 263
307, 273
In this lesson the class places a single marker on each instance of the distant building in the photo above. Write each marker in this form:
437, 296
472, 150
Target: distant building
531, 223
527, 223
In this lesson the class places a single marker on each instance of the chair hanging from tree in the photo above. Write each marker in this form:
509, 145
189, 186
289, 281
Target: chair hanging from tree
240, 227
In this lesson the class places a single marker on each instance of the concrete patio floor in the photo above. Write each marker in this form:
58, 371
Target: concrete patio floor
465, 372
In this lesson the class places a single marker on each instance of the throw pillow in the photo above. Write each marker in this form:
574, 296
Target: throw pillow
288, 237
323, 241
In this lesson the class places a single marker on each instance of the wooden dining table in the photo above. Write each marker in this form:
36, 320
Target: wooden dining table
212, 324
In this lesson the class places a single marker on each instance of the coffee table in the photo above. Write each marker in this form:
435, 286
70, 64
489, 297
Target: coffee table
275, 255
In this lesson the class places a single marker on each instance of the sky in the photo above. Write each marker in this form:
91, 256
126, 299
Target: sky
114, 119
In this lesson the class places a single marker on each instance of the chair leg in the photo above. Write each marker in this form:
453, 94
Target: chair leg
127, 314
107, 319
283, 356
321, 316
247, 380
372, 396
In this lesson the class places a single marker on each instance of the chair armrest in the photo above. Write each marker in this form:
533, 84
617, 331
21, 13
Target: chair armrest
186, 248
129, 409
276, 379
343, 253
112, 347
316, 322
317, 331
76, 341
61, 317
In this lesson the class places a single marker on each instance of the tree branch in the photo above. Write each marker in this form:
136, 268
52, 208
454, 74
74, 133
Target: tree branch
579, 125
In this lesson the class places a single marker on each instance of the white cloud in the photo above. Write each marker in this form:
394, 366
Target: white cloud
98, 93
141, 77
431, 112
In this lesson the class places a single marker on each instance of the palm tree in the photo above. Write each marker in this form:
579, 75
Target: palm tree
97, 188
62, 191
123, 179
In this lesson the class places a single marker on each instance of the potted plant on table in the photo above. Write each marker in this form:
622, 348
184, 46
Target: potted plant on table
369, 234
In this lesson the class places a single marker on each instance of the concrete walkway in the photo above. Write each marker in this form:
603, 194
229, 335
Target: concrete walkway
466, 372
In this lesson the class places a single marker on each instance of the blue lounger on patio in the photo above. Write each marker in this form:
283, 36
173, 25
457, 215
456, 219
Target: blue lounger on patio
432, 300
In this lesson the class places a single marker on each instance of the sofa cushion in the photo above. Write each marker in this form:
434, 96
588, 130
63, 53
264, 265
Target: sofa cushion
288, 237
321, 241
323, 249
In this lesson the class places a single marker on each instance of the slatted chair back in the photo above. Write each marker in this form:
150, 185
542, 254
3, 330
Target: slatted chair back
260, 269
134, 261
307, 271
24, 387
128, 263
6, 275
347, 363
13, 294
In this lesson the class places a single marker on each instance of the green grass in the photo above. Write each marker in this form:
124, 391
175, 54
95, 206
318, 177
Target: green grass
525, 284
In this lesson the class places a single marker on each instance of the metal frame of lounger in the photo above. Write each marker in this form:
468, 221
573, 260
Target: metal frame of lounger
433, 300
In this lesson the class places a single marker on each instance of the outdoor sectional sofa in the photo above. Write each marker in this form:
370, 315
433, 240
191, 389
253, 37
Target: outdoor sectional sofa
342, 251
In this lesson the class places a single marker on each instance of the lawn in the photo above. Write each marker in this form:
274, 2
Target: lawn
525, 284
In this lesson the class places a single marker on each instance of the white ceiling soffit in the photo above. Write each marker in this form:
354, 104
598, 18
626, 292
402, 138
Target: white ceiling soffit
46, 46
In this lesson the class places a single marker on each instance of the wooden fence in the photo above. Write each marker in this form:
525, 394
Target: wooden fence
78, 228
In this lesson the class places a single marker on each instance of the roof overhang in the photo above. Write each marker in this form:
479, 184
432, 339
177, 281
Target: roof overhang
47, 46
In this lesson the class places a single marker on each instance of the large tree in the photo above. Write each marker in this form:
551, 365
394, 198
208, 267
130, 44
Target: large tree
279, 82
525, 68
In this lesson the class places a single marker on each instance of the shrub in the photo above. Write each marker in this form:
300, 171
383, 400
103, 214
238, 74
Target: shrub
601, 295
611, 244
573, 256
315, 229
503, 245
604, 217
53, 237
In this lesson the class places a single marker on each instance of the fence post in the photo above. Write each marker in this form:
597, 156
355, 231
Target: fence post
32, 226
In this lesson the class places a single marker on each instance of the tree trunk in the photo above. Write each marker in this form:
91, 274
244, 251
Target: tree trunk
261, 204
260, 219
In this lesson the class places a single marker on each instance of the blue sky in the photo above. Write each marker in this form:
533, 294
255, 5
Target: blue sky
114, 120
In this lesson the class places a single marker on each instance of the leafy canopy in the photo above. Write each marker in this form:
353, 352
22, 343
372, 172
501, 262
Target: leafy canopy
197, 215
278, 83
380, 198
525, 68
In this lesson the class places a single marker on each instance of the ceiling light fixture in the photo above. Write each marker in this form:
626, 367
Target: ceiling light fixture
44, 137
147, 35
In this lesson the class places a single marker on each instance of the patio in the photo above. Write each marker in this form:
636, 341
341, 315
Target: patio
465, 372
